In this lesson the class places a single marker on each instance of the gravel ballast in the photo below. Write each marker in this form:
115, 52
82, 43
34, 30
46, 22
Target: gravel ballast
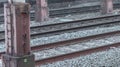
78, 34
65, 19
76, 47
67, 36
108, 58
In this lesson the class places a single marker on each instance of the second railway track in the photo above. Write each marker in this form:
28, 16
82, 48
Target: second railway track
71, 26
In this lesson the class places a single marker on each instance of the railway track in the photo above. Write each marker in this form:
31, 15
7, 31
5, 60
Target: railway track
74, 25
72, 48
75, 47
68, 11
71, 26
75, 54
59, 51
68, 49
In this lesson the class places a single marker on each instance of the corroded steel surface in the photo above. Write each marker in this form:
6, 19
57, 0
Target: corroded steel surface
75, 54
72, 41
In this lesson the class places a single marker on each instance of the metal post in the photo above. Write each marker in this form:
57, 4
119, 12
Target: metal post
106, 6
42, 12
17, 36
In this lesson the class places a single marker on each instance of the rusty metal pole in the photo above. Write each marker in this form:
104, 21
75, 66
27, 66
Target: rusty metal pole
42, 12
17, 36
106, 6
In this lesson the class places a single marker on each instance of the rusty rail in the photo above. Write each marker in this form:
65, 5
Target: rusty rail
72, 41
75, 54
56, 31
69, 42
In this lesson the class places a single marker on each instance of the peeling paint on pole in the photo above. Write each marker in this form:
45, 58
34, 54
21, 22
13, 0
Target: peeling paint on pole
17, 36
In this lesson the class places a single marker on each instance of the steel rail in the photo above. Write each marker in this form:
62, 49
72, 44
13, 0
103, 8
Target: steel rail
76, 21
75, 54
81, 20
66, 22
69, 29
51, 33
70, 41
44, 34
73, 41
